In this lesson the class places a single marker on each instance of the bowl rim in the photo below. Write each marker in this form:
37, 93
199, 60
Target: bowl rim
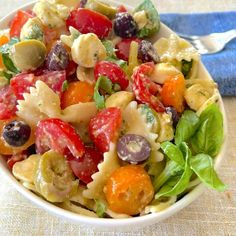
110, 223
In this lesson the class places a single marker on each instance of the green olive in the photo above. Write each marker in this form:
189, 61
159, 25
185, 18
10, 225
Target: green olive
54, 179
102, 8
28, 55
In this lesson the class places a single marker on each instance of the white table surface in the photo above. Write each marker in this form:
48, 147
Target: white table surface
212, 214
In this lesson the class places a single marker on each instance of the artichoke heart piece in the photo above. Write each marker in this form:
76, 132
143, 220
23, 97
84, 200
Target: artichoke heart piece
28, 55
54, 179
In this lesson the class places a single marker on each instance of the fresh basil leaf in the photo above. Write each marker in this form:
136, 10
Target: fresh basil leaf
172, 168
209, 136
186, 127
148, 113
6, 74
106, 85
173, 153
203, 166
9, 64
109, 48
186, 67
100, 208
119, 62
6, 48
153, 24
178, 183
65, 86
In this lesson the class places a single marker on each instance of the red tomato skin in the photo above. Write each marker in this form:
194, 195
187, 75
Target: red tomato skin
21, 83
8, 103
11, 161
87, 165
122, 8
88, 21
17, 23
54, 79
144, 89
113, 72
55, 134
123, 48
104, 128
71, 68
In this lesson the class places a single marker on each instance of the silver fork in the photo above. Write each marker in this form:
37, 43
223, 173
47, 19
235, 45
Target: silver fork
212, 43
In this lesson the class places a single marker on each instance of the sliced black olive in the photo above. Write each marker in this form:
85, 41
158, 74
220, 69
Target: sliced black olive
174, 115
133, 148
57, 58
16, 133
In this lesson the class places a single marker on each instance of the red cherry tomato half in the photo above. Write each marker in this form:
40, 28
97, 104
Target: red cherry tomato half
104, 127
123, 48
87, 165
55, 134
113, 72
144, 89
8, 103
18, 21
88, 21
21, 83
54, 79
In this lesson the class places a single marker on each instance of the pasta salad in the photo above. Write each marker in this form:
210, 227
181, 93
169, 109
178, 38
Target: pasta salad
98, 117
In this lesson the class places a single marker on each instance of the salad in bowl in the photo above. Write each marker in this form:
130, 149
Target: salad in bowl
101, 115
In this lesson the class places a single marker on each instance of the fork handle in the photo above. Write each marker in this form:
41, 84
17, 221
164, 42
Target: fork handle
227, 36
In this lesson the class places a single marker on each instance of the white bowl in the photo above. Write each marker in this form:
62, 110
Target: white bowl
114, 224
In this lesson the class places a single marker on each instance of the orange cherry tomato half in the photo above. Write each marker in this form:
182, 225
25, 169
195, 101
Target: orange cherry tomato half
129, 190
6, 149
172, 93
3, 40
77, 92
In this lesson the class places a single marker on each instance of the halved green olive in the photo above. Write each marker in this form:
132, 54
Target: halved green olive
28, 55
102, 8
54, 179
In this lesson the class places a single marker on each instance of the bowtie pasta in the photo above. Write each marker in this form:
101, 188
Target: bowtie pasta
97, 118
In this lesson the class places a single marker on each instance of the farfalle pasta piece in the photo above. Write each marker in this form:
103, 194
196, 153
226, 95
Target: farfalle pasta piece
79, 198
110, 163
67, 205
175, 48
78, 113
39, 104
42, 102
25, 170
135, 123
159, 205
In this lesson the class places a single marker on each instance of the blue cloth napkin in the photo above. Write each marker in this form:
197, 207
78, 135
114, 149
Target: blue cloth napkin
222, 66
